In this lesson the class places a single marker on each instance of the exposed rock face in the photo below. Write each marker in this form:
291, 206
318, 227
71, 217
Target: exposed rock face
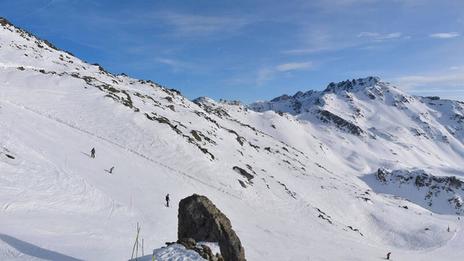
201, 220
441, 194
203, 250
327, 116
244, 173
352, 85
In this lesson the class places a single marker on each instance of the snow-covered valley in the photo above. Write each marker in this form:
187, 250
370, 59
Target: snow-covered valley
295, 175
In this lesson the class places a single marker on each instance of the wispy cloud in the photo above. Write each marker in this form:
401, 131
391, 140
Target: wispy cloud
264, 75
306, 50
267, 73
457, 68
445, 35
285, 67
324, 41
336, 5
315, 39
447, 82
176, 65
174, 23
454, 79
375, 36
194, 25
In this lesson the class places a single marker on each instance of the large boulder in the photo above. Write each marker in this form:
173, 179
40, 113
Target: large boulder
201, 220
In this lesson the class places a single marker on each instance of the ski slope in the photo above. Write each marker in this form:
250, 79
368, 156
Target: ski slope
301, 196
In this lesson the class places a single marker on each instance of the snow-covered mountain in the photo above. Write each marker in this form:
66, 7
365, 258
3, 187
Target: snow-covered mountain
296, 175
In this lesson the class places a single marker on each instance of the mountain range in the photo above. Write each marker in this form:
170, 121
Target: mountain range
348, 173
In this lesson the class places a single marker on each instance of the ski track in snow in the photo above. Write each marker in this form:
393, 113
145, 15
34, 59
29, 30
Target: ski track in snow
50, 117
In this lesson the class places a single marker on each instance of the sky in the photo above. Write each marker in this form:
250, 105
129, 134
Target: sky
252, 50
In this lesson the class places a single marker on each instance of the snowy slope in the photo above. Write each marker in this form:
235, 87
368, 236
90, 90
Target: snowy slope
291, 184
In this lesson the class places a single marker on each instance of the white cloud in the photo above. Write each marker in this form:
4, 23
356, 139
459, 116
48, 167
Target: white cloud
454, 77
264, 75
187, 24
323, 41
317, 39
419, 80
449, 83
445, 35
176, 65
267, 73
333, 5
285, 67
379, 36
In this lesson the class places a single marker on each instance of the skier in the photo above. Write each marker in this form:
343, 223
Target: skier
167, 200
388, 255
111, 170
92, 153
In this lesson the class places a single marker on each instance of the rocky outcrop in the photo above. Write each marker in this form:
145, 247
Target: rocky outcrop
202, 249
440, 194
352, 85
201, 220
244, 173
327, 116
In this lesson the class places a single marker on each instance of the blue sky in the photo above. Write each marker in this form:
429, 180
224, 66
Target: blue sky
255, 50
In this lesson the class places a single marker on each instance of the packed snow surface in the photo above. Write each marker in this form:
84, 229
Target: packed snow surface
291, 174
174, 252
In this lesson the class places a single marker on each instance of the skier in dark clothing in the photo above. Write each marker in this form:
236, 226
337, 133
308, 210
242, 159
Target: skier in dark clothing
167, 200
111, 170
92, 153
388, 255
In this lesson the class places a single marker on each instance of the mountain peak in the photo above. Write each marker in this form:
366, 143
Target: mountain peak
23, 33
353, 85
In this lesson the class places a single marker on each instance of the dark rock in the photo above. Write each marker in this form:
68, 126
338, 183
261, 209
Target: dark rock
4, 21
281, 98
244, 173
195, 135
382, 175
175, 91
432, 186
349, 85
242, 183
327, 116
188, 242
207, 254
200, 220
203, 250
169, 99
171, 107
207, 251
